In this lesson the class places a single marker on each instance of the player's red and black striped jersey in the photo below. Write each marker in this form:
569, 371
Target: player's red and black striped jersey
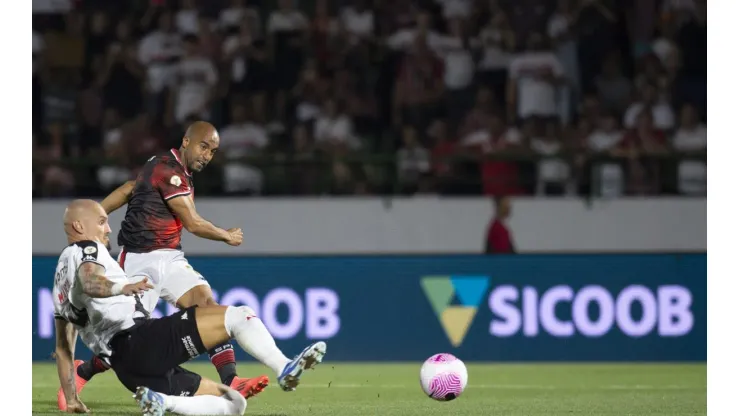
149, 223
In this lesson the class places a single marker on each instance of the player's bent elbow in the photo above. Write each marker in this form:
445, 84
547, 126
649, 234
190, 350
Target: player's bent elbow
189, 227
192, 226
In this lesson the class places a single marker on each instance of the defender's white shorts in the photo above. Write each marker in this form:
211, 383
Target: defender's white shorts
168, 271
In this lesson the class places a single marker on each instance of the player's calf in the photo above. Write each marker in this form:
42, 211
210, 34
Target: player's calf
222, 357
90, 368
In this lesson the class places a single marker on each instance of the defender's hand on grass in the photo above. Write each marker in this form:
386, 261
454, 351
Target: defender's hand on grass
76, 406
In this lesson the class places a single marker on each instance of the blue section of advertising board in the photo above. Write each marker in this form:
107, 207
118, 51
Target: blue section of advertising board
591, 307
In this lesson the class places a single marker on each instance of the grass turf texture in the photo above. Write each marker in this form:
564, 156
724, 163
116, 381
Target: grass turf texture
344, 389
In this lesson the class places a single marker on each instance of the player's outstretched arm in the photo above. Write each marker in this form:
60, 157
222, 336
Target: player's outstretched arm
94, 283
119, 197
66, 338
184, 208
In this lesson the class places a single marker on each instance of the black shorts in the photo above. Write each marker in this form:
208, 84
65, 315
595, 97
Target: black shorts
150, 353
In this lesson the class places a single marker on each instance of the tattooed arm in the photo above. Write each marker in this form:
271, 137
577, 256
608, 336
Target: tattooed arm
94, 283
66, 337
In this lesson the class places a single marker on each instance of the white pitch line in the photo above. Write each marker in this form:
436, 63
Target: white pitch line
479, 386
508, 386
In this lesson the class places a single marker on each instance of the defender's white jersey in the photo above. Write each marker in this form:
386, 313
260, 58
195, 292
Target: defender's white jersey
96, 319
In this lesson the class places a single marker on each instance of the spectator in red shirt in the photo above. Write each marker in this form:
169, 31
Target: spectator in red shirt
498, 239
638, 146
443, 148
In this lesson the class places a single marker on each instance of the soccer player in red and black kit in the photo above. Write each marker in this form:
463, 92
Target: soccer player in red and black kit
160, 205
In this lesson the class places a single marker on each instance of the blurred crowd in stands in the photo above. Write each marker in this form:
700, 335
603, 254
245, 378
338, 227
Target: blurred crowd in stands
365, 97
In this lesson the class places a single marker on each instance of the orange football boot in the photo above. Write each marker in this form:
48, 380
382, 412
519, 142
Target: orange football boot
249, 387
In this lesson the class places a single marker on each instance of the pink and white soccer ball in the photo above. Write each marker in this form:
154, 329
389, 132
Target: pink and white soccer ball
443, 377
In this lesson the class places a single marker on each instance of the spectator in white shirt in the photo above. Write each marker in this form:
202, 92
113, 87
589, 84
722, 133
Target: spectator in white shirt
195, 82
561, 29
358, 20
691, 136
186, 18
306, 93
111, 175
239, 13
333, 130
553, 172
459, 70
412, 160
607, 179
496, 42
406, 39
663, 117
286, 21
158, 52
242, 138
664, 46
606, 136
533, 80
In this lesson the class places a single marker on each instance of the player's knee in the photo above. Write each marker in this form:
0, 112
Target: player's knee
243, 312
247, 311
236, 315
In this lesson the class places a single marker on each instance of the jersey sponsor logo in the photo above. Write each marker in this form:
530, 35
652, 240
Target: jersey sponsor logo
189, 346
61, 282
90, 250
175, 180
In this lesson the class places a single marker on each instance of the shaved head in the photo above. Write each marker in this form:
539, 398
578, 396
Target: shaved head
85, 219
199, 145
79, 208
200, 130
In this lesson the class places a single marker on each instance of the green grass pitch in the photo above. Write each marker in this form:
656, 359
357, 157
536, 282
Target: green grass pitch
344, 389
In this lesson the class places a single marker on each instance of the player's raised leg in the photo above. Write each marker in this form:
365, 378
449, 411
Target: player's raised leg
216, 324
222, 356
